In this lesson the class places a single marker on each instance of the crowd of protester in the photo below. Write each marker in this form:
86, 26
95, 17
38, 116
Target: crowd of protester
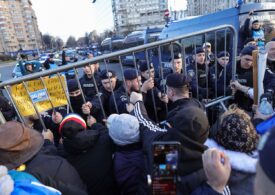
103, 145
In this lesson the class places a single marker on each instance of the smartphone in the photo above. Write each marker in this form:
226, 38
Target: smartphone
165, 166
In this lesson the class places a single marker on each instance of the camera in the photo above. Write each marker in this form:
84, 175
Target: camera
270, 96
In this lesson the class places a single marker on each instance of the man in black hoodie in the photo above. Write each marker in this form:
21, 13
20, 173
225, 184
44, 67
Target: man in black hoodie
178, 92
189, 126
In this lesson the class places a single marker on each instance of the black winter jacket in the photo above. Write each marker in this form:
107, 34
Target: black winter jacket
56, 172
91, 154
6, 109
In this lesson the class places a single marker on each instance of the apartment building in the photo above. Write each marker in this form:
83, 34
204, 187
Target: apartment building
202, 7
18, 26
130, 15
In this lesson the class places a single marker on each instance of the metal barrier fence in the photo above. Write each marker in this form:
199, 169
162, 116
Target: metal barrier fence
156, 50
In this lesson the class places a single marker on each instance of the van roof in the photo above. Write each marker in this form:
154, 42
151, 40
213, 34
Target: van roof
194, 24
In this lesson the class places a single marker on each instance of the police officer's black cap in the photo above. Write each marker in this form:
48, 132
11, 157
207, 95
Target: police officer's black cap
143, 65
248, 50
72, 85
130, 74
104, 74
177, 56
177, 80
223, 54
198, 50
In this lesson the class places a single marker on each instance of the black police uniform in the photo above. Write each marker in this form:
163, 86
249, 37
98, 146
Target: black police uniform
244, 77
88, 86
169, 70
121, 101
148, 101
148, 98
105, 98
201, 85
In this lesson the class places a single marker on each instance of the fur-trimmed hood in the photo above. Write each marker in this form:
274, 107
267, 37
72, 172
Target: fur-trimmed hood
239, 161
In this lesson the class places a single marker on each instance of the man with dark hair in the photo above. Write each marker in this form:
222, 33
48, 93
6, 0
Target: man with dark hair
198, 72
176, 65
109, 83
155, 95
209, 56
178, 92
215, 72
89, 81
121, 96
187, 125
243, 86
254, 31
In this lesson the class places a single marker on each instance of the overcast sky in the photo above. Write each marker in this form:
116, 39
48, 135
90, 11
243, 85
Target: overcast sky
63, 18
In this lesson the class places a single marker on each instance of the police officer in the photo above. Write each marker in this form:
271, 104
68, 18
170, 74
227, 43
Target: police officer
178, 92
198, 71
176, 65
109, 83
210, 57
95, 64
148, 75
121, 95
216, 72
87, 81
242, 87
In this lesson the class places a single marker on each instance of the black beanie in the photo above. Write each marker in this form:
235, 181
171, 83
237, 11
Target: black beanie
143, 66
248, 50
130, 74
72, 85
177, 80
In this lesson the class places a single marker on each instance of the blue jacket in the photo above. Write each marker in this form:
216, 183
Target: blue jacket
129, 168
